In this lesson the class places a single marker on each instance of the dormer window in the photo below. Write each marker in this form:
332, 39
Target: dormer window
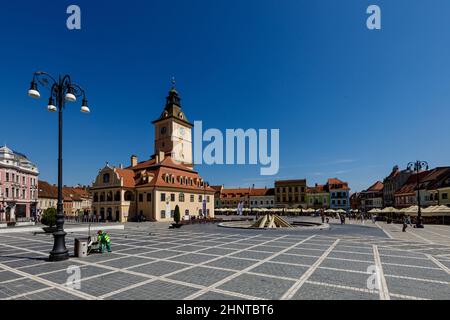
106, 178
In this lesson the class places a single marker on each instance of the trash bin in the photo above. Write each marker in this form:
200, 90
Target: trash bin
81, 247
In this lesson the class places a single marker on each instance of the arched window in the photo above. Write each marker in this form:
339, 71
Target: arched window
117, 196
106, 178
109, 196
96, 197
102, 197
129, 196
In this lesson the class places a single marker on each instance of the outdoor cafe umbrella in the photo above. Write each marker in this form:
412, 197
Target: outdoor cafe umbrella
437, 211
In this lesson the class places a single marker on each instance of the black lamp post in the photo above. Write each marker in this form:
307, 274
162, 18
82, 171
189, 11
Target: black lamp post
60, 91
417, 167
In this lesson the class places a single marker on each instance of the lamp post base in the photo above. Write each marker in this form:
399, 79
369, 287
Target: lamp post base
59, 252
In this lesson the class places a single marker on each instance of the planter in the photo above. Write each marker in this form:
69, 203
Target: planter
49, 229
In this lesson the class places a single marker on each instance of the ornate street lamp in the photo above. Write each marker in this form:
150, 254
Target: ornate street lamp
417, 167
60, 91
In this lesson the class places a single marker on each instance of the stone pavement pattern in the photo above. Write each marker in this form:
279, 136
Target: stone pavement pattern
151, 262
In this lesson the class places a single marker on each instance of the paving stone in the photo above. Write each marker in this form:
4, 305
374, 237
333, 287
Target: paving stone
7, 275
96, 257
296, 259
201, 276
317, 292
109, 283
347, 265
343, 278
61, 277
190, 248
53, 294
193, 258
18, 287
163, 254
259, 286
408, 261
157, 290
355, 256
421, 289
126, 262
135, 251
421, 273
281, 270
217, 296
306, 252
218, 251
231, 263
265, 248
253, 255
159, 268
50, 267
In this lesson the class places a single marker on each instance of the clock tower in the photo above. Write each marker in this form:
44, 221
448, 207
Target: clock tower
173, 131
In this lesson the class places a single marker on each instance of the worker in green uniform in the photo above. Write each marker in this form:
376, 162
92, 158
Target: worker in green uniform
104, 241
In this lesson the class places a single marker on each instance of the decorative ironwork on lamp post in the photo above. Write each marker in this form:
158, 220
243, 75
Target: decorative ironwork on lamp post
417, 167
61, 90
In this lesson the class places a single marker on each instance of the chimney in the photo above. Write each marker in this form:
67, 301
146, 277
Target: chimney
134, 160
121, 166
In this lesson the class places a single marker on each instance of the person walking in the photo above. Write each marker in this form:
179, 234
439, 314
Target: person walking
405, 224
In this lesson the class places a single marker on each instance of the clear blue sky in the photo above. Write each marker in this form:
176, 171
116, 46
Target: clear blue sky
349, 102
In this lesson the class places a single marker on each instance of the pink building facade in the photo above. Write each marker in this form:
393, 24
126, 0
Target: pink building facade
18, 186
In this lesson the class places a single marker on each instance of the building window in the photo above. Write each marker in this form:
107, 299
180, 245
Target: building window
192, 198
172, 197
7, 177
163, 197
149, 197
181, 197
207, 199
141, 197
444, 196
200, 198
163, 214
106, 178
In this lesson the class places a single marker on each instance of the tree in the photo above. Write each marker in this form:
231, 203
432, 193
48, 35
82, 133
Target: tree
49, 217
176, 215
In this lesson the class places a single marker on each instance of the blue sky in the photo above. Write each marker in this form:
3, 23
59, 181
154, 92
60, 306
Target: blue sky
349, 102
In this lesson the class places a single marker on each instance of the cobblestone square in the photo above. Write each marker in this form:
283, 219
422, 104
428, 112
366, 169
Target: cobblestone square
206, 262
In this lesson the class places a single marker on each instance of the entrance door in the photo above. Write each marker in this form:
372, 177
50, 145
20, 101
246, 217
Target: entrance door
8, 214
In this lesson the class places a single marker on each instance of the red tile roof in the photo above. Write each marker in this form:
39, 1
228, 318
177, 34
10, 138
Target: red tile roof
150, 173
376, 187
128, 177
410, 186
317, 189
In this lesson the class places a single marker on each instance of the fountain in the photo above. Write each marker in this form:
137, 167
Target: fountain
272, 222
